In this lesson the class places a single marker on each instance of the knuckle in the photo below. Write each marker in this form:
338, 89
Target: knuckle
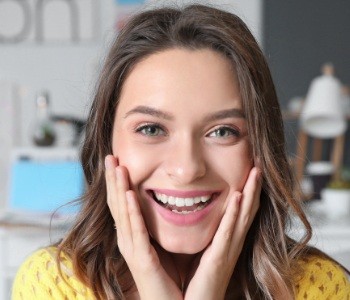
227, 234
140, 232
235, 214
245, 219
109, 176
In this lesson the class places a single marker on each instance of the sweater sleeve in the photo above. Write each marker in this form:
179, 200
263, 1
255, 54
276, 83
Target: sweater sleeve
39, 278
322, 279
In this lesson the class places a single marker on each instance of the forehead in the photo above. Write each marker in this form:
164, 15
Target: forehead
182, 77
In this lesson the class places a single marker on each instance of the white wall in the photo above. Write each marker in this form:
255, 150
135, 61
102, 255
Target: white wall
67, 70
249, 10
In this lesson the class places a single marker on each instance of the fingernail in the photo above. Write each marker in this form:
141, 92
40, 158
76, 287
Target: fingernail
108, 163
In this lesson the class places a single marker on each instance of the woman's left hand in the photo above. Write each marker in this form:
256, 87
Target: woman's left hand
218, 261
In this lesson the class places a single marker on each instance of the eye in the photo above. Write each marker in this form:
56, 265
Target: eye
150, 130
224, 132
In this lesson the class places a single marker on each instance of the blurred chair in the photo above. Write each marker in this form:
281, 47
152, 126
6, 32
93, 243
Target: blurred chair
321, 119
317, 145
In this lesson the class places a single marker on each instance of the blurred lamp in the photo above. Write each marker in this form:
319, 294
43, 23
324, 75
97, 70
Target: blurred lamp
322, 115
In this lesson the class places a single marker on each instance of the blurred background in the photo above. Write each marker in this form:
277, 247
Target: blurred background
51, 52
50, 55
56, 48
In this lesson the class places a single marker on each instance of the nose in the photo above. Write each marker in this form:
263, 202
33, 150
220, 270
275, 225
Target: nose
185, 162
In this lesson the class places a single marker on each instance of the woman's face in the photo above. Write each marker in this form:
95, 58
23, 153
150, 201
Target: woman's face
181, 132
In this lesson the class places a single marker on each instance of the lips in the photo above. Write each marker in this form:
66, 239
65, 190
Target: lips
182, 215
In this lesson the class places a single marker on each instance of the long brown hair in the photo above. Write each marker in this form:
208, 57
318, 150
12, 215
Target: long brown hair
266, 266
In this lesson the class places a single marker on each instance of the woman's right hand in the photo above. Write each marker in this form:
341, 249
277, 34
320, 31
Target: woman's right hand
151, 280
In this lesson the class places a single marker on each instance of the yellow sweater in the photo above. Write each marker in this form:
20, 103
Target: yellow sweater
38, 278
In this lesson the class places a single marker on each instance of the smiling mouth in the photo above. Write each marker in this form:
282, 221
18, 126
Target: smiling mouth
181, 205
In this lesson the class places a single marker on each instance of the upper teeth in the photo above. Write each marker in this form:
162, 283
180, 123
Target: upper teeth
180, 202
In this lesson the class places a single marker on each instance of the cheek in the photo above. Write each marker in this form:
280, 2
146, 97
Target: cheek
234, 165
138, 160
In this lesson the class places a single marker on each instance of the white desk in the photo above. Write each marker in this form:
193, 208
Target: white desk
330, 236
334, 239
16, 243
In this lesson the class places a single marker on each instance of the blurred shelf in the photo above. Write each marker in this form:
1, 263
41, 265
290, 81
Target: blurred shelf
45, 153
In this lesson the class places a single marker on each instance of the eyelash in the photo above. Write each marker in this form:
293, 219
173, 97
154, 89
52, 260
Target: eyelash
141, 129
232, 131
157, 126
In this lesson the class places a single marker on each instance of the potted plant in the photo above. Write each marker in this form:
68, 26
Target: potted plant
336, 196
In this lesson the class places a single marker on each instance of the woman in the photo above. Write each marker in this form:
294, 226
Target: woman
189, 190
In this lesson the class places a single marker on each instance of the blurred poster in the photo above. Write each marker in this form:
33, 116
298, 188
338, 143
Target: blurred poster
49, 21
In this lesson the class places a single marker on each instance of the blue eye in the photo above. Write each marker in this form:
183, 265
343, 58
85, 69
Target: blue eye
150, 130
224, 132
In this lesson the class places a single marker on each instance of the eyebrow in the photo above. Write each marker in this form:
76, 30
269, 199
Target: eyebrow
149, 111
222, 114
226, 113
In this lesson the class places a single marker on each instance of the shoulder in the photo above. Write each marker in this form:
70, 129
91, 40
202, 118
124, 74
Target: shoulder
39, 278
321, 278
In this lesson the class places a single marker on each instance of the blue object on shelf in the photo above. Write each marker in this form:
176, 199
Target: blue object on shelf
43, 187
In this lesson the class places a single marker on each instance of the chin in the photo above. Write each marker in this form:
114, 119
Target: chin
184, 245
183, 233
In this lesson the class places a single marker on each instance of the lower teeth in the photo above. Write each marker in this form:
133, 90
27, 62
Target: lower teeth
186, 212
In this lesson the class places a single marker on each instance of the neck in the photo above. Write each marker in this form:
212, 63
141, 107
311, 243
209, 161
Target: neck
185, 266
180, 267
183, 262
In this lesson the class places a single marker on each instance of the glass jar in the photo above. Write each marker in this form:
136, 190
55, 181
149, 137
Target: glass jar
44, 131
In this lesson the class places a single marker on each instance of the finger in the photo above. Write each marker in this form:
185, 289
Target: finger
223, 237
250, 196
138, 226
249, 207
110, 165
112, 198
123, 219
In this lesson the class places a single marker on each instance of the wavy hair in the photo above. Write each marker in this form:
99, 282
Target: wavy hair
267, 265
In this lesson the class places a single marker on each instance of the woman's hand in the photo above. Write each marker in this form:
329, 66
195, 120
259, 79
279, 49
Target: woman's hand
218, 261
151, 280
